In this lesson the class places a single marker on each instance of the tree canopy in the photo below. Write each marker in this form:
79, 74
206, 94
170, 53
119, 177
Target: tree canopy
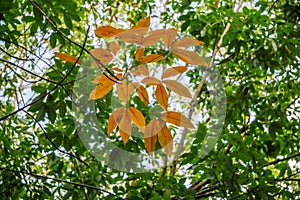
149, 99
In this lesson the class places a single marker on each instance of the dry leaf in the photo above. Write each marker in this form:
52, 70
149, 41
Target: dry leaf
150, 81
66, 57
144, 22
143, 94
152, 58
125, 90
139, 53
161, 96
189, 57
186, 42
166, 140
137, 118
167, 35
133, 35
153, 127
141, 70
173, 71
111, 124
103, 55
176, 119
114, 47
107, 31
178, 88
101, 90
124, 135
125, 123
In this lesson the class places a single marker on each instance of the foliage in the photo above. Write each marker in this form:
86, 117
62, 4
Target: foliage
254, 46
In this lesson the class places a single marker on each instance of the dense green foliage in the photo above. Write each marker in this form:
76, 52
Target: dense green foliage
257, 154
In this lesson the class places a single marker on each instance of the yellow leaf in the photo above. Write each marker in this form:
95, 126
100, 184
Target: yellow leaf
166, 140
143, 94
161, 96
189, 57
144, 22
125, 90
178, 88
125, 123
103, 55
177, 119
186, 42
152, 58
137, 118
173, 71
101, 90
151, 81
66, 57
114, 47
111, 124
141, 70
107, 31
139, 53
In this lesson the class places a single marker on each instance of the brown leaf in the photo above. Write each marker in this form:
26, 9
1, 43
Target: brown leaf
153, 127
167, 35
102, 79
143, 94
124, 135
173, 71
101, 90
111, 124
178, 88
152, 58
133, 35
177, 119
137, 118
166, 140
139, 53
125, 123
107, 31
161, 96
117, 114
103, 55
66, 57
141, 70
114, 47
144, 22
189, 57
125, 90
151, 81
186, 42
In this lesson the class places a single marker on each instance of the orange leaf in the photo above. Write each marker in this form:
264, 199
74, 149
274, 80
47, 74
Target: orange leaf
114, 47
167, 35
117, 115
176, 119
153, 127
117, 69
173, 71
144, 22
133, 35
152, 58
125, 90
139, 54
125, 123
111, 124
189, 57
186, 42
178, 88
166, 140
124, 135
101, 90
103, 55
102, 79
151, 81
142, 70
143, 94
66, 57
161, 96
107, 31
137, 118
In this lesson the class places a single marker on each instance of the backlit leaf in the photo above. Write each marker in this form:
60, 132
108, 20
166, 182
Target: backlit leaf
144, 22
114, 47
103, 55
125, 136
189, 57
103, 79
101, 90
143, 94
66, 57
178, 88
107, 31
133, 35
152, 58
139, 53
141, 70
165, 139
173, 71
137, 118
125, 90
177, 119
151, 81
167, 35
153, 127
111, 124
125, 123
186, 42
161, 96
